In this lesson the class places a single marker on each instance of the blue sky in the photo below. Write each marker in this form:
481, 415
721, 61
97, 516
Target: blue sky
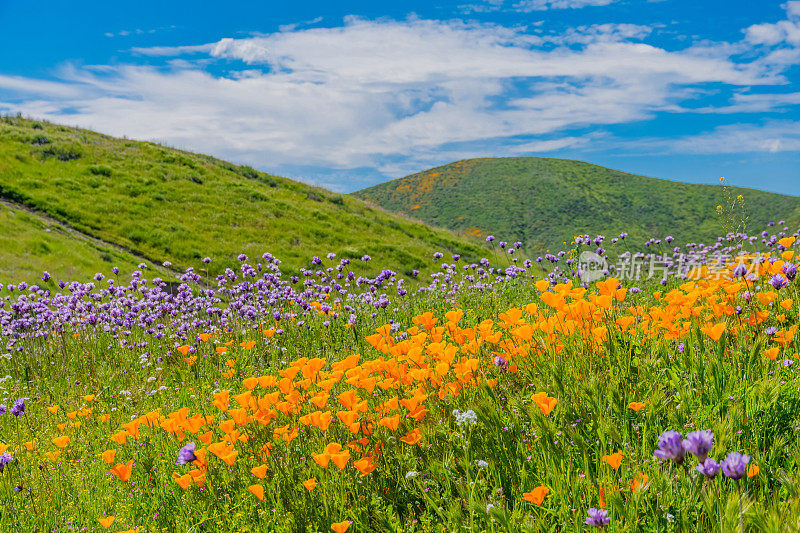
345, 95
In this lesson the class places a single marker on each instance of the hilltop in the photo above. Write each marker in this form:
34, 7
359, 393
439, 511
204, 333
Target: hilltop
110, 201
545, 202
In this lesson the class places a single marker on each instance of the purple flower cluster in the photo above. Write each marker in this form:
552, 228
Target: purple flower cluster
501, 363
4, 460
597, 517
186, 454
735, 465
18, 409
672, 446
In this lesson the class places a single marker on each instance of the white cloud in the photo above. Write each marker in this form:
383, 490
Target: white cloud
371, 92
784, 31
771, 137
527, 6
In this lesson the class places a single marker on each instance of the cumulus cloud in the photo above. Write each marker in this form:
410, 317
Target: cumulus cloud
784, 31
368, 93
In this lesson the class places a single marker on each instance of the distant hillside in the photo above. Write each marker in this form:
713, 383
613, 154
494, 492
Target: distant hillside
544, 202
163, 204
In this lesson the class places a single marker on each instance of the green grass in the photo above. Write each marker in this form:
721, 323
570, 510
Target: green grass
546, 202
171, 205
31, 245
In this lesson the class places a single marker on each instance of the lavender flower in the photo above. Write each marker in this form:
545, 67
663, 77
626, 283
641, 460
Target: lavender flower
740, 271
186, 454
18, 409
501, 363
790, 271
699, 443
670, 447
597, 517
708, 468
735, 465
4, 460
778, 281
2, 409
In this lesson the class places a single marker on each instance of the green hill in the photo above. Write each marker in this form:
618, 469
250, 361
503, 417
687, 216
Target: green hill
31, 244
126, 201
544, 202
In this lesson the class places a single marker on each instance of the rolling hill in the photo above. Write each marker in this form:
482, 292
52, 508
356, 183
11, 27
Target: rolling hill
108, 201
545, 202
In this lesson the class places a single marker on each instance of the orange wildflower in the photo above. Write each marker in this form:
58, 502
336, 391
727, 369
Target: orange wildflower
257, 490
108, 456
340, 527
536, 496
545, 403
636, 406
614, 460
123, 471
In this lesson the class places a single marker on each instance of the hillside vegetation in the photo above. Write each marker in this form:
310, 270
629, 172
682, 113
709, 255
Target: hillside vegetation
31, 244
544, 202
170, 205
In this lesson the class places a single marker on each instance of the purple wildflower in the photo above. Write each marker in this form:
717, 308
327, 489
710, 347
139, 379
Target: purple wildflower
18, 409
501, 363
670, 447
2, 409
4, 460
740, 271
699, 443
597, 517
778, 281
186, 454
790, 271
708, 468
735, 465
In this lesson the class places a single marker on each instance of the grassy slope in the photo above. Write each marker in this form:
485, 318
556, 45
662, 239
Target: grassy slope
31, 244
167, 204
544, 202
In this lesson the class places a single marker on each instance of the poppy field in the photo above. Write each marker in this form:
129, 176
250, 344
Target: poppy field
501, 395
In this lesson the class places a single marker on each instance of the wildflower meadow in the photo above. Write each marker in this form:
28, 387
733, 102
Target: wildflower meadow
505, 394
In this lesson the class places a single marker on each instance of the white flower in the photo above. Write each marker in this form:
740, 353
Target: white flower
481, 463
489, 507
151, 379
411, 474
467, 418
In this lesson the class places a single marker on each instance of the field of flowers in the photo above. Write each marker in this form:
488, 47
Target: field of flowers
504, 395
